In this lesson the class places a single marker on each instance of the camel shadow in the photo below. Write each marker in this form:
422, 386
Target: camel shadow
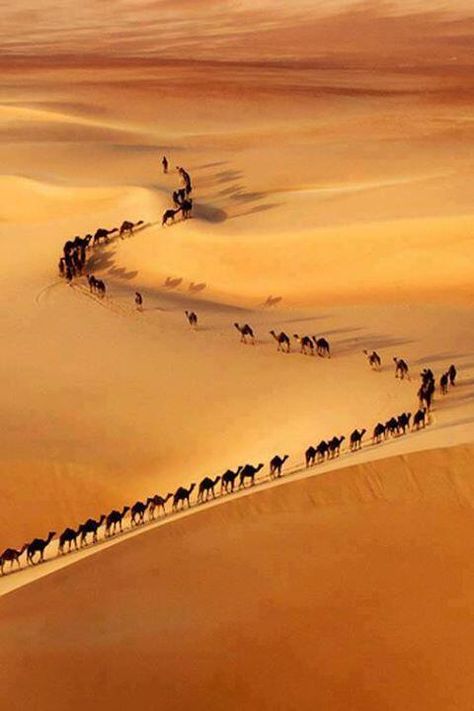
209, 213
216, 164
437, 358
171, 283
272, 301
346, 346
257, 208
226, 176
121, 273
197, 287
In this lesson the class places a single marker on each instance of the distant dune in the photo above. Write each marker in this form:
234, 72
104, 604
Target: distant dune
350, 590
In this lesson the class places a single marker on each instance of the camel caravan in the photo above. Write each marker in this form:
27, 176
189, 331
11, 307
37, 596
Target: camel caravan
244, 476
182, 203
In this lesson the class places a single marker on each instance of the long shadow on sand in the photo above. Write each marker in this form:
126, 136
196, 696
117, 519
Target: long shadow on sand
102, 260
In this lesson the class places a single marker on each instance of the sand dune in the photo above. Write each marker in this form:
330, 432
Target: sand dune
330, 151
223, 610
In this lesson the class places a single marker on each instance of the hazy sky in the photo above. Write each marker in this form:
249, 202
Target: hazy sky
227, 28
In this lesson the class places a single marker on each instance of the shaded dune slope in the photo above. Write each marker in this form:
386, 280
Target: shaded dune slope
350, 590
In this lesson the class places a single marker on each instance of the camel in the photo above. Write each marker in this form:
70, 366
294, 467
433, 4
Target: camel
419, 418
138, 512
187, 207
127, 227
102, 233
306, 344
90, 526
91, 280
452, 372
379, 432
38, 545
356, 439
228, 479
157, 502
425, 394
310, 456
248, 472
283, 341
322, 450
206, 487
169, 215
404, 422
113, 519
374, 359
69, 536
100, 287
391, 427
427, 376
276, 465
335, 446
245, 331
443, 383
322, 347
401, 369
192, 318
11, 555
182, 495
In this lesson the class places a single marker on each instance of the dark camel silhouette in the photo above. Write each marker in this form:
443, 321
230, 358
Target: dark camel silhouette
306, 344
310, 456
228, 479
69, 536
100, 287
181, 495
157, 502
187, 208
322, 347
443, 383
391, 427
245, 331
356, 439
90, 526
127, 227
401, 369
102, 233
283, 341
249, 472
169, 215
404, 422
374, 359
335, 446
379, 432
11, 555
138, 512
206, 487
322, 450
115, 519
425, 394
192, 318
38, 545
452, 372
419, 419
276, 465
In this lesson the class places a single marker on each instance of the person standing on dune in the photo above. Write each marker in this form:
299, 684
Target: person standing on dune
164, 163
